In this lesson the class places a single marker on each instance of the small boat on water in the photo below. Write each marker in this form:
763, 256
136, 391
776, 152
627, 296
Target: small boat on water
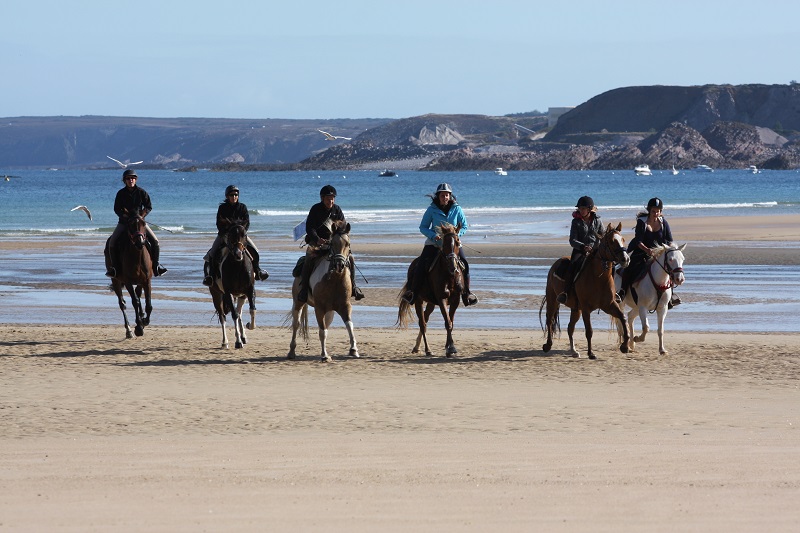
703, 168
754, 169
387, 173
500, 172
643, 170
674, 172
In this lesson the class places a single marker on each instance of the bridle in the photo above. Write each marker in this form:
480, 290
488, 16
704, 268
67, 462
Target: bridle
451, 242
337, 260
609, 254
236, 248
670, 271
137, 236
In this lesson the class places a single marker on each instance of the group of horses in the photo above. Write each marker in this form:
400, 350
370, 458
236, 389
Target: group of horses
331, 287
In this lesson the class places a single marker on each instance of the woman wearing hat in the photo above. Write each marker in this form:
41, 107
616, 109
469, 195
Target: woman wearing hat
584, 234
229, 211
317, 234
443, 208
652, 229
131, 200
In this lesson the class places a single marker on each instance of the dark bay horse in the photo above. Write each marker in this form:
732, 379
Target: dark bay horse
235, 280
593, 289
330, 292
441, 287
135, 274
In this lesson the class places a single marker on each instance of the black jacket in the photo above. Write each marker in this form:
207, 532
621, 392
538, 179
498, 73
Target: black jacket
134, 201
317, 215
228, 212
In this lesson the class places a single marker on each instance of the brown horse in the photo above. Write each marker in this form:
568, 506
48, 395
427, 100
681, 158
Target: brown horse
236, 280
442, 286
135, 274
330, 292
594, 289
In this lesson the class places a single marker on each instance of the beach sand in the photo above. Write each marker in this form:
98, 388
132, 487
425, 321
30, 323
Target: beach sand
168, 432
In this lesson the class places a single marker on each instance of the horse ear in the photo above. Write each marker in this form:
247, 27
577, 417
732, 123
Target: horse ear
682, 246
619, 226
347, 228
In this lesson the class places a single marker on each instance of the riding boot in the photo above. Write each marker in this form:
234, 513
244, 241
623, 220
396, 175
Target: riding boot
357, 294
414, 282
568, 279
155, 251
624, 285
467, 297
305, 278
207, 279
111, 272
261, 275
675, 300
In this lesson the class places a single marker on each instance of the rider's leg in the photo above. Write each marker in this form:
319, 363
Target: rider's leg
111, 251
305, 276
569, 278
261, 275
418, 276
155, 252
209, 258
357, 294
467, 297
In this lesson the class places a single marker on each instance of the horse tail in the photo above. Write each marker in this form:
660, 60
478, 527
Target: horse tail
404, 312
304, 322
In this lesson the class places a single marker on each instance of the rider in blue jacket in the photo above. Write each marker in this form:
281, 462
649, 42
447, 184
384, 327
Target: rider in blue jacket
443, 208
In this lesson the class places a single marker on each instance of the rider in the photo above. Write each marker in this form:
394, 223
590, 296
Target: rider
652, 229
229, 211
443, 208
584, 234
317, 236
131, 200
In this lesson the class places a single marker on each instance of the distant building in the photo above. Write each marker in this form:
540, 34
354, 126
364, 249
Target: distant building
554, 112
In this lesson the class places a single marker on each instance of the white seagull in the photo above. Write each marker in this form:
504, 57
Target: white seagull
84, 209
124, 165
329, 137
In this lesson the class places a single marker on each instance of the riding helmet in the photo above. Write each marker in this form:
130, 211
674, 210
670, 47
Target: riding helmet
655, 202
444, 187
327, 190
231, 188
129, 172
585, 201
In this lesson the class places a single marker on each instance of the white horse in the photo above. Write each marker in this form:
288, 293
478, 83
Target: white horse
330, 293
654, 292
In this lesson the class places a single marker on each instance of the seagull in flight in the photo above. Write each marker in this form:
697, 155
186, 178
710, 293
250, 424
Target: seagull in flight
329, 137
8, 178
84, 209
124, 165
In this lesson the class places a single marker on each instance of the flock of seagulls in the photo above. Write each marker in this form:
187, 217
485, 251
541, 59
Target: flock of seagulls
330, 137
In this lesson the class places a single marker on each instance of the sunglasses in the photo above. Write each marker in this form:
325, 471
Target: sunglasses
234, 194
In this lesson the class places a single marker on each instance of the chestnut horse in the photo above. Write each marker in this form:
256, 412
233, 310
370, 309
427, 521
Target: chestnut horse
330, 292
593, 289
653, 292
441, 287
135, 274
235, 280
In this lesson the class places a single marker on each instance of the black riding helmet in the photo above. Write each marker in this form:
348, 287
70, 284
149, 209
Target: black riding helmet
655, 202
129, 172
585, 201
231, 188
326, 190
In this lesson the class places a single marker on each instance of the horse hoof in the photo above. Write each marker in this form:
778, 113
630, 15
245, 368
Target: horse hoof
326, 359
546, 347
128, 335
239, 345
139, 331
638, 338
145, 321
250, 326
354, 353
224, 345
415, 350
592, 356
429, 354
291, 356
623, 348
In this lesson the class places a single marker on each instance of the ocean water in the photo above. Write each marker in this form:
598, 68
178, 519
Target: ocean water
522, 207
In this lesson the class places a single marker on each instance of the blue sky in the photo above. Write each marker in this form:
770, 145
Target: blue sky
370, 58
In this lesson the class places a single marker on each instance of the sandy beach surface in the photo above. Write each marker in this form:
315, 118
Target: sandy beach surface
169, 432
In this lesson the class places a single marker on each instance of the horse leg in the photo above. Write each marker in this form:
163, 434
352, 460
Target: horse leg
662, 314
450, 347
236, 318
322, 323
573, 319
587, 326
632, 329
297, 308
239, 326
251, 301
644, 322
422, 317
148, 303
348, 323
137, 309
121, 301
614, 310
550, 318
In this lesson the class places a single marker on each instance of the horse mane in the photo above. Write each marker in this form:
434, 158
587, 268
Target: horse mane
339, 227
445, 228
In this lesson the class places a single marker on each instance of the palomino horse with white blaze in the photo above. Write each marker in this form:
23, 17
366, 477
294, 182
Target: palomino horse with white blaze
135, 274
330, 290
653, 292
593, 289
441, 287
234, 279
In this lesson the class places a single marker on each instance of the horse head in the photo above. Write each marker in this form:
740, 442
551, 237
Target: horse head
236, 240
670, 257
612, 246
451, 245
137, 231
339, 251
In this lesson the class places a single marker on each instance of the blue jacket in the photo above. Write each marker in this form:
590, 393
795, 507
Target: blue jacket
434, 216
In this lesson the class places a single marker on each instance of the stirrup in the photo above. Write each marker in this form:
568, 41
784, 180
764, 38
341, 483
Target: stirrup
620, 296
357, 294
262, 275
562, 298
159, 270
408, 297
208, 281
111, 272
